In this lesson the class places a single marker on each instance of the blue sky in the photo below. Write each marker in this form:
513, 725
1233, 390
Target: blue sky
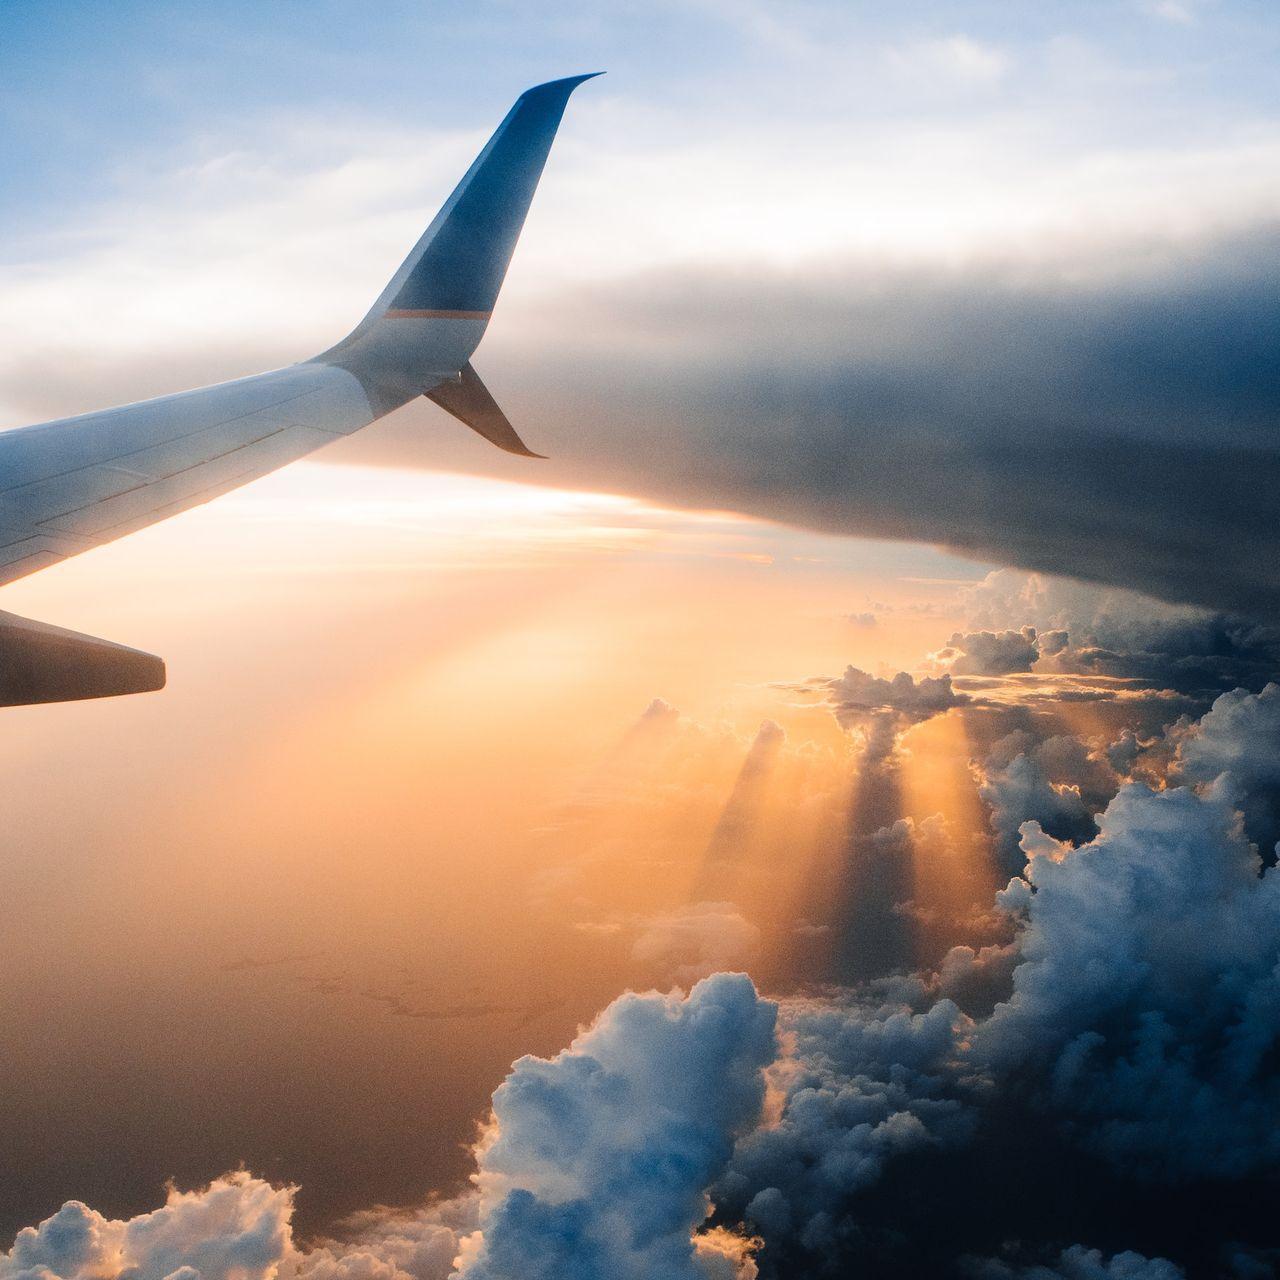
90, 92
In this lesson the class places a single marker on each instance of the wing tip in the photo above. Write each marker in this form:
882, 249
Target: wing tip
566, 84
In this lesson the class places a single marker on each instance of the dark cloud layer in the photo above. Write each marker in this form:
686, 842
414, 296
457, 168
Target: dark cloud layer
1110, 416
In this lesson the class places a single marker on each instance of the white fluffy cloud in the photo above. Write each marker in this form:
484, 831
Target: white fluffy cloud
1021, 784
1143, 1014
1236, 746
596, 1166
1136, 1013
419, 1244
1147, 1001
235, 1229
600, 1159
865, 1081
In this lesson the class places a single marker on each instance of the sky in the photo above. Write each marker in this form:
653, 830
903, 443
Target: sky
822, 820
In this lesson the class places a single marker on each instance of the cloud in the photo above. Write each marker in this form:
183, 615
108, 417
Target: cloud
989, 653
947, 407
1019, 792
599, 1160
382, 1244
1137, 1022
659, 711
1118, 1017
1088, 630
1057, 780
1145, 1006
857, 695
863, 1083
1235, 747
1079, 1263
1101, 616
595, 1164
235, 1229
1055, 404
1129, 1028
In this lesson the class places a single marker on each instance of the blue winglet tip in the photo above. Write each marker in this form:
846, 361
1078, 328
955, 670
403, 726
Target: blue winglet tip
566, 84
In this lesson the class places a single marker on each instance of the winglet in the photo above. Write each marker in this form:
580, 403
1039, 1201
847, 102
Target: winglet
428, 321
456, 269
468, 399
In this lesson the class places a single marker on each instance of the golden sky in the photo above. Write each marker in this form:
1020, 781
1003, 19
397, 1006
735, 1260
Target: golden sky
401, 812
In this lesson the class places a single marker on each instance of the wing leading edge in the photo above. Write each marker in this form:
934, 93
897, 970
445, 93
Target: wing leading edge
77, 483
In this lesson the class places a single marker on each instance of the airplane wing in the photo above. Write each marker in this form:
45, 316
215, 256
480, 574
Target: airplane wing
70, 485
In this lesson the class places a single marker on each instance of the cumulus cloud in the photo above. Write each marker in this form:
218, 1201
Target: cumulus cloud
1236, 747
857, 695
1087, 630
236, 1229
1146, 1004
864, 1082
1126, 1010
717, 1135
989, 653
595, 1164
381, 1244
1133, 1016
1025, 781
599, 1160
1139, 1019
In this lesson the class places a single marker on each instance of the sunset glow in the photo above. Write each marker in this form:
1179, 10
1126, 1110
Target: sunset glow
804, 804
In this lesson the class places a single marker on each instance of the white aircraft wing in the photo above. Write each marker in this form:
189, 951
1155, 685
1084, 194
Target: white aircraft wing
70, 485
